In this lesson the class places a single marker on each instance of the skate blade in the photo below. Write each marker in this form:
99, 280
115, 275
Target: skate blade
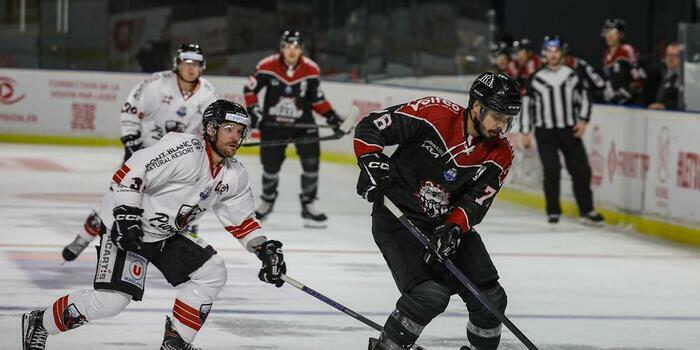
314, 224
589, 223
25, 318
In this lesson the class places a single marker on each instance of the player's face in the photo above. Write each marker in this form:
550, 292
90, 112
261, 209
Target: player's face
612, 37
672, 57
291, 53
502, 62
521, 56
228, 138
189, 70
553, 56
493, 124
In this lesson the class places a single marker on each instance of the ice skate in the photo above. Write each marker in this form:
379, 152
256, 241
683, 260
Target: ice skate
313, 217
592, 218
73, 249
33, 333
265, 207
172, 339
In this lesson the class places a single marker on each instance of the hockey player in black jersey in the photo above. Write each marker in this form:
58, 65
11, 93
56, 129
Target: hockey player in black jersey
449, 165
292, 91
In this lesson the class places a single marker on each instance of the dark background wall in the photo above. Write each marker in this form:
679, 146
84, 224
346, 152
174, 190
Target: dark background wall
650, 23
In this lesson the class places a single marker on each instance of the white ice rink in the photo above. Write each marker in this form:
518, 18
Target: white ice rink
573, 288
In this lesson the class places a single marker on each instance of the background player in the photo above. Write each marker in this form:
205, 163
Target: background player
292, 91
157, 192
166, 101
449, 165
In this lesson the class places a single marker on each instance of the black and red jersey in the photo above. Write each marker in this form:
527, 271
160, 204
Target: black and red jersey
619, 71
291, 91
439, 173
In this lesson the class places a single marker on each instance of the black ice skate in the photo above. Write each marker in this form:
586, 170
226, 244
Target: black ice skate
72, 250
553, 219
373, 344
592, 218
172, 339
33, 333
265, 207
313, 218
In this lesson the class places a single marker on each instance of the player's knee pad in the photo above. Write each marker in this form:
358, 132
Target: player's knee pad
310, 164
484, 329
414, 310
210, 277
429, 296
99, 304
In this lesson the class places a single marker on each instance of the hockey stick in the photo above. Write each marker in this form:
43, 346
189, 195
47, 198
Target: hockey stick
337, 305
298, 125
457, 273
344, 129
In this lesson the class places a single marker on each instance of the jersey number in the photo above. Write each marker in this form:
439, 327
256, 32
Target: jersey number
383, 122
488, 193
136, 185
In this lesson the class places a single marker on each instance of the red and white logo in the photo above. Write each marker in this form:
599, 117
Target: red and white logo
136, 270
8, 91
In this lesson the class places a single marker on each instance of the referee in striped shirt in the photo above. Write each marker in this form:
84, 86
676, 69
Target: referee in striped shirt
559, 110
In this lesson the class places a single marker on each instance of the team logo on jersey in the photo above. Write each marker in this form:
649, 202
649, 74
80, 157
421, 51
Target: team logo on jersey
221, 187
288, 90
167, 99
450, 174
182, 111
286, 108
434, 200
186, 215
197, 145
205, 194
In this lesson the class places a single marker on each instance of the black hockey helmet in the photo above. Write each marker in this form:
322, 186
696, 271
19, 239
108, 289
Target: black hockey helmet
500, 48
496, 92
292, 37
189, 52
224, 111
522, 44
614, 23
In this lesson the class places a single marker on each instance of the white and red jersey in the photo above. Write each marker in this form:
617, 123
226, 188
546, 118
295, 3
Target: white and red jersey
157, 106
175, 183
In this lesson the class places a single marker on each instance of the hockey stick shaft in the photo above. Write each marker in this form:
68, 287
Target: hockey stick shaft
457, 273
297, 125
344, 129
336, 305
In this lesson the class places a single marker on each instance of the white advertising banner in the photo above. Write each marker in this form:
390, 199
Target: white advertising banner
643, 162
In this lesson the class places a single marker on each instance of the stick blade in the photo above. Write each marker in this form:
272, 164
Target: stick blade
350, 120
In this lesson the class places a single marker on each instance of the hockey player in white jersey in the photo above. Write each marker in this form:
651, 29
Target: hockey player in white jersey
167, 101
157, 192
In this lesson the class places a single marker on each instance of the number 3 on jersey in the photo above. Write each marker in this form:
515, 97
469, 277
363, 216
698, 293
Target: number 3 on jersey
488, 193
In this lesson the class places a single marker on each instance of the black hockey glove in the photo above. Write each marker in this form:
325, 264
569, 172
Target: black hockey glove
126, 232
132, 143
447, 238
333, 120
374, 175
273, 265
256, 116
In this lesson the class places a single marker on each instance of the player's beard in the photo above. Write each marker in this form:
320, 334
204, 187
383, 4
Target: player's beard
225, 149
479, 128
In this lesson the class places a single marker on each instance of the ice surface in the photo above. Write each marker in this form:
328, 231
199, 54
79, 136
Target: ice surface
573, 288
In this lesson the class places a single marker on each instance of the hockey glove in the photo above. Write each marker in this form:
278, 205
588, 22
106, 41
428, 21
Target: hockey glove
132, 143
374, 175
126, 232
448, 237
273, 265
256, 116
334, 120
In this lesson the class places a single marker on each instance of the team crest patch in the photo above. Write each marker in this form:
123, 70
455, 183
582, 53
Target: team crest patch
450, 175
197, 145
205, 194
134, 271
434, 200
182, 111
